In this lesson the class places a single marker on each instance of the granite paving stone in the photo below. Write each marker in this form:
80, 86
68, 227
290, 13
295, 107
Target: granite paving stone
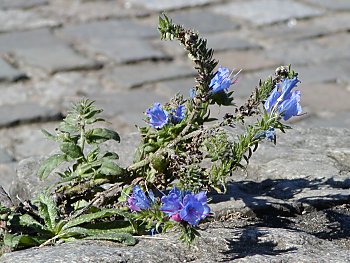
83, 11
11, 20
262, 12
170, 87
7, 174
110, 38
161, 5
204, 21
131, 76
230, 41
338, 5
26, 112
9, 73
39, 48
247, 60
7, 4
329, 48
302, 29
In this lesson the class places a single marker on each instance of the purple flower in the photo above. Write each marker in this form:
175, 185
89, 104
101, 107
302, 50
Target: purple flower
138, 200
178, 114
183, 205
285, 101
157, 116
222, 80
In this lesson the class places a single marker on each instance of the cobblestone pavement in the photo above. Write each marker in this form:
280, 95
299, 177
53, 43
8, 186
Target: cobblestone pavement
54, 52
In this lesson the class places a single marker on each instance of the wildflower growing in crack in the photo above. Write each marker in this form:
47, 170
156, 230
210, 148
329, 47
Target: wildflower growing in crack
222, 80
139, 201
285, 101
178, 114
185, 206
157, 116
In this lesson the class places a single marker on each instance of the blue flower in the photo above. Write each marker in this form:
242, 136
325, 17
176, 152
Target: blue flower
157, 116
270, 134
183, 205
222, 80
178, 114
290, 106
285, 101
139, 201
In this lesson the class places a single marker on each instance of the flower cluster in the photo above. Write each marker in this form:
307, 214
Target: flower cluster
185, 206
158, 116
284, 100
222, 80
178, 205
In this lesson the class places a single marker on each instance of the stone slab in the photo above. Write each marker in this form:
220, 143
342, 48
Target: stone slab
204, 21
131, 76
247, 60
11, 20
262, 12
26, 112
39, 48
218, 243
338, 5
302, 29
111, 39
7, 4
9, 73
7, 174
161, 5
230, 41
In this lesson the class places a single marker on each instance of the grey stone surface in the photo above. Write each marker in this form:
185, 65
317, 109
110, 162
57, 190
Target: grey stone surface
26, 112
204, 21
229, 41
39, 48
23, 20
7, 4
255, 244
262, 12
7, 174
110, 38
161, 5
131, 76
340, 5
5, 157
9, 73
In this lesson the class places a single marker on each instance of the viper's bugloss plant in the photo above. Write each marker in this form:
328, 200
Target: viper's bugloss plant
183, 151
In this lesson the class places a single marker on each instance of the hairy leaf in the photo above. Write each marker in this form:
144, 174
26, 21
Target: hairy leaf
47, 210
50, 164
99, 135
111, 168
71, 149
21, 241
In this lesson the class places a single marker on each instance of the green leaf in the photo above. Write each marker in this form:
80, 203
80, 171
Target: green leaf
28, 221
110, 168
47, 210
92, 216
49, 135
71, 149
50, 164
21, 241
124, 238
99, 135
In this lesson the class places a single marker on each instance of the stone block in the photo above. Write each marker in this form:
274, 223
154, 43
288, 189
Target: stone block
9, 73
39, 48
261, 12
130, 76
26, 112
337, 5
204, 21
8, 4
120, 41
11, 20
161, 5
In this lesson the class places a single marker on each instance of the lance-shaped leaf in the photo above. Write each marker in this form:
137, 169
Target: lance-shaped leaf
47, 210
71, 149
50, 164
110, 168
21, 241
99, 135
92, 216
28, 221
